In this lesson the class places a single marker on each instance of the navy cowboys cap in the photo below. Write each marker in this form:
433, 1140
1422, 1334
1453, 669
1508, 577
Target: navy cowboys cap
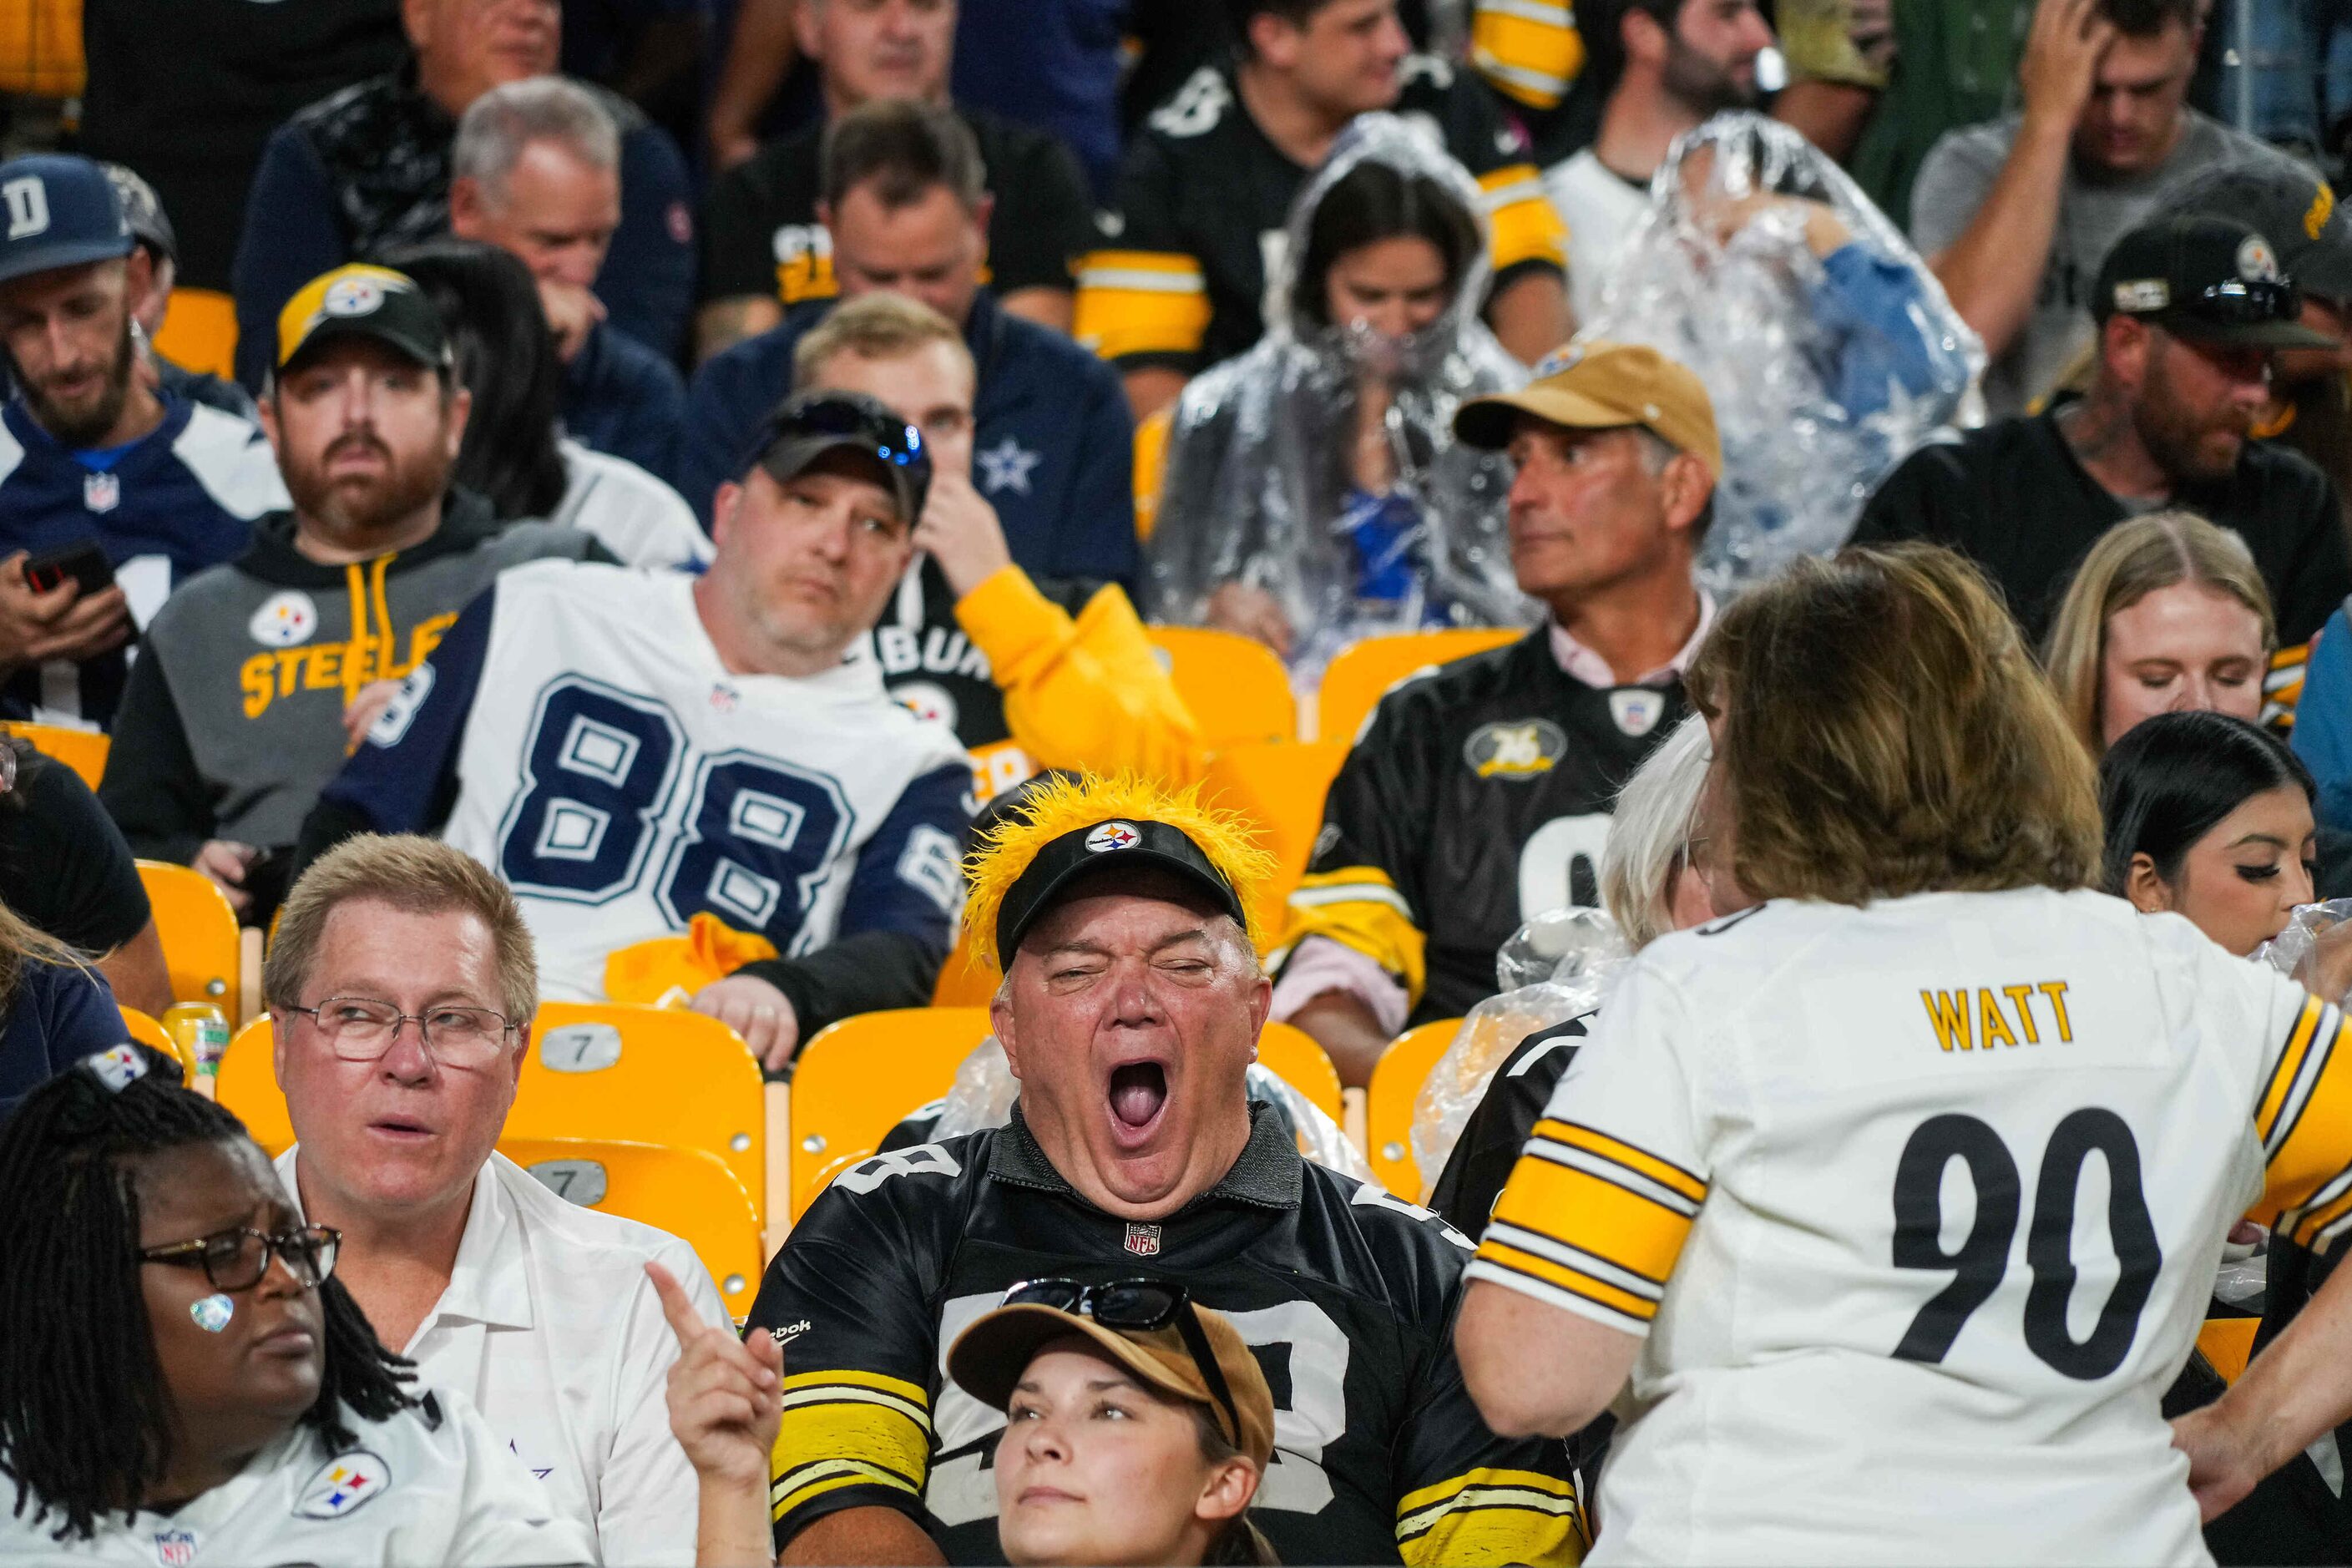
808, 426
1122, 845
58, 210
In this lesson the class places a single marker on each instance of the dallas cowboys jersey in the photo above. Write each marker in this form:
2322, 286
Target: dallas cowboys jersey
181, 498
1477, 796
423, 1487
577, 731
1916, 1207
1346, 1294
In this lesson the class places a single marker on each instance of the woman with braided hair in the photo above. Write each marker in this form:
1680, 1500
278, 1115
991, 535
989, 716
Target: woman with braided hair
182, 1381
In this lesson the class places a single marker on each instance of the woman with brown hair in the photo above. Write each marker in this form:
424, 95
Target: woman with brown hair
54, 1009
2166, 613
1819, 1185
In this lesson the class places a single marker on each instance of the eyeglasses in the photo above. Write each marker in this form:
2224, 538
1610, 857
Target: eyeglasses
2246, 301
1138, 1306
359, 1029
237, 1259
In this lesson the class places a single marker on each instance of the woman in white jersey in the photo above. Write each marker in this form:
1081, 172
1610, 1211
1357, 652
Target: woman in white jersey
1885, 1211
181, 1382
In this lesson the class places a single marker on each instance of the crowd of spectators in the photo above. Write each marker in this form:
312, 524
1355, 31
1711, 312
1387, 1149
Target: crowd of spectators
541, 494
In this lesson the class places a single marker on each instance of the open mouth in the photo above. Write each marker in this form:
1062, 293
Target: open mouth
399, 1127
1138, 1093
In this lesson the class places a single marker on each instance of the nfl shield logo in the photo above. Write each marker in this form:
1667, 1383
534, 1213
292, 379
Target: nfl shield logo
1636, 709
175, 1548
101, 492
1143, 1240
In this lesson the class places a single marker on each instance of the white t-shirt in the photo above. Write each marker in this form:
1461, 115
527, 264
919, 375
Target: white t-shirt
406, 1493
1600, 210
1918, 1209
633, 514
550, 1329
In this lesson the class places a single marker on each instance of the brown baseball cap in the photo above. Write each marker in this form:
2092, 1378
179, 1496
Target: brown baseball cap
989, 1357
1597, 384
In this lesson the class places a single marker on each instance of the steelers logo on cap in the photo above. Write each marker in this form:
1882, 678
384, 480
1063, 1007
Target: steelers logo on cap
1560, 360
2256, 260
352, 297
1113, 835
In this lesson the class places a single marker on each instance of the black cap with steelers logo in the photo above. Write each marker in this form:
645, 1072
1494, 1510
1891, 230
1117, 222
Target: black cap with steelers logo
362, 301
1118, 845
2205, 278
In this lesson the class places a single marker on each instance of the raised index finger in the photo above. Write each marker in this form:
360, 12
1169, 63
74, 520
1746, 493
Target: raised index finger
683, 1321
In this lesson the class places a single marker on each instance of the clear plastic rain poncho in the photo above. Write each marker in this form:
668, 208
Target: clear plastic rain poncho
1259, 488
1825, 370
1556, 967
985, 1088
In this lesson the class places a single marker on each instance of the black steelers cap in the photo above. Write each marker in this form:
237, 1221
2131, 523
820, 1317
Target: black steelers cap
2206, 278
1117, 843
358, 301
808, 426
2287, 203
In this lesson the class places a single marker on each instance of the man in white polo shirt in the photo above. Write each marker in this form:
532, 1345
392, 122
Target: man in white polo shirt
401, 985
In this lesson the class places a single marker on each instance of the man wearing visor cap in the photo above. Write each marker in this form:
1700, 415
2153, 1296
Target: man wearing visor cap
1130, 1013
2190, 310
631, 751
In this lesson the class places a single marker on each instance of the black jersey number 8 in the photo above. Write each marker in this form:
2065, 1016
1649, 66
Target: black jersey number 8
1982, 1257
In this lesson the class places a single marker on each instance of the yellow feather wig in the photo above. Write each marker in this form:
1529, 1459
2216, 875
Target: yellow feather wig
1064, 804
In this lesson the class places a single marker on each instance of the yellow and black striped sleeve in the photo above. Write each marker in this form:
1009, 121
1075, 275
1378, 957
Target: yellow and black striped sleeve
1142, 302
847, 1428
1590, 1223
1493, 1516
1528, 50
2305, 1122
1526, 226
1359, 908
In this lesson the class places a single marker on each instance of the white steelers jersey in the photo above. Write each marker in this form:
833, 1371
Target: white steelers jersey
577, 731
406, 1492
1918, 1209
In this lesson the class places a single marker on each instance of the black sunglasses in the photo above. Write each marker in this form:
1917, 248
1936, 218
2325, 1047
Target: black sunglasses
1139, 1306
2249, 301
893, 439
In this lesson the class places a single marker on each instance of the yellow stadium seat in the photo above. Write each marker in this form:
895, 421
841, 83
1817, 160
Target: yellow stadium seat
648, 1075
1353, 682
83, 751
199, 330
1150, 468
1397, 1078
40, 49
2229, 1344
1235, 685
964, 982
863, 1076
1296, 1058
1280, 785
148, 1032
201, 947
691, 1195
247, 1085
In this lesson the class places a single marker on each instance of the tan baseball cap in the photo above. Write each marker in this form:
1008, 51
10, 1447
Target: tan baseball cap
989, 1357
1603, 386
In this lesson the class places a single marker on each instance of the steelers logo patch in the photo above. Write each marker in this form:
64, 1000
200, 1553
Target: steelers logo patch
352, 297
1113, 835
2256, 260
344, 1486
925, 700
284, 620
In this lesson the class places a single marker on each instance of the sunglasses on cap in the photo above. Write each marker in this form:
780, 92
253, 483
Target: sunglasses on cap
1138, 1306
863, 421
2244, 303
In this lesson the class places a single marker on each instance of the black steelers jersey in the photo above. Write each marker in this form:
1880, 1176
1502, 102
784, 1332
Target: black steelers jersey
1498, 1131
1345, 1293
1204, 199
1476, 798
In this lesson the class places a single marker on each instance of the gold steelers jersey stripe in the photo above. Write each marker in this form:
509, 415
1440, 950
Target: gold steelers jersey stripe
1664, 1172
1140, 301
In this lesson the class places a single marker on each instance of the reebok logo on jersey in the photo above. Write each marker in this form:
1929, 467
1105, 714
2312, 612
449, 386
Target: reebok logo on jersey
344, 1485
1978, 1021
1515, 751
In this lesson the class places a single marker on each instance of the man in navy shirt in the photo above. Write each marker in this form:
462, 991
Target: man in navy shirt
91, 454
367, 169
537, 173
1053, 444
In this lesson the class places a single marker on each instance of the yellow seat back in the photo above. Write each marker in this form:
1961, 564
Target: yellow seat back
963, 981
686, 1192
1234, 687
1353, 681
1280, 785
1297, 1058
148, 1032
199, 931
247, 1085
40, 49
861, 1077
1151, 469
648, 1075
1397, 1078
199, 331
83, 751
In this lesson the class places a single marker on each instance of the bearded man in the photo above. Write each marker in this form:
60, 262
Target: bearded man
260, 676
144, 486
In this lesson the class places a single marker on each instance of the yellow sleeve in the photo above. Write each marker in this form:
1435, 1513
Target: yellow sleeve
848, 1428
1494, 1516
1590, 1223
1526, 227
1529, 49
1141, 302
1358, 907
1087, 693
2305, 1122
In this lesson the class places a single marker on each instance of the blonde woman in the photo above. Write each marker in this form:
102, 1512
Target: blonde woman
2166, 613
